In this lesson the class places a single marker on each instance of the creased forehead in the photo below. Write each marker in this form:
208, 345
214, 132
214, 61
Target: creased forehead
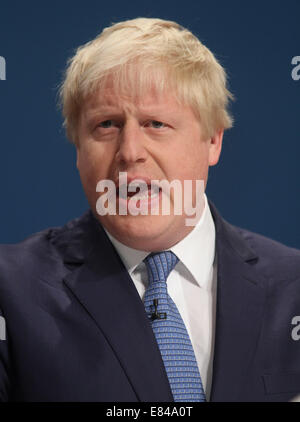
109, 101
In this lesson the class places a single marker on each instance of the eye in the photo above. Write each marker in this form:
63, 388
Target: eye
107, 124
156, 124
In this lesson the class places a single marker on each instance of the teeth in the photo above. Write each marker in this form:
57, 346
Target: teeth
139, 197
135, 185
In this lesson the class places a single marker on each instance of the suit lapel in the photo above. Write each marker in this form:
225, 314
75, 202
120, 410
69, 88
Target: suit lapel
240, 302
106, 291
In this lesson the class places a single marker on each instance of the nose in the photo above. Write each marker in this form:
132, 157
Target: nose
131, 144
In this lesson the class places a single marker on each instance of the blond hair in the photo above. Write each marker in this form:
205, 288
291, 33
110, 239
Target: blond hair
139, 52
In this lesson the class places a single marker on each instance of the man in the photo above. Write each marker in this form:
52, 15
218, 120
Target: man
135, 301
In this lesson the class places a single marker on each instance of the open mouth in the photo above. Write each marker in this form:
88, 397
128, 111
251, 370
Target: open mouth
141, 192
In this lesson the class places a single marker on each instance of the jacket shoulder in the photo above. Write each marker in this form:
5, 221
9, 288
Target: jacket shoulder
275, 259
43, 249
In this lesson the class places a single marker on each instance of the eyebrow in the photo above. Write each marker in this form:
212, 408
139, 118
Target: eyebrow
107, 110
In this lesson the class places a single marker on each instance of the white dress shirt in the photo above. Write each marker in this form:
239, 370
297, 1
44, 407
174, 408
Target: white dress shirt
191, 285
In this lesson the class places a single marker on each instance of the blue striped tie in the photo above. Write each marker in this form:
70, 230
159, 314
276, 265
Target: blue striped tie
171, 335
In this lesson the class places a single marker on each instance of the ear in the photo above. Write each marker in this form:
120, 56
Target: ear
215, 147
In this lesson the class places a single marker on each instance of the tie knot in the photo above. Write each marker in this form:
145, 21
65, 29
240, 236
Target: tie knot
159, 265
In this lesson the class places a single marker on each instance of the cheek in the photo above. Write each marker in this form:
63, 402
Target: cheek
199, 157
88, 177
193, 163
92, 164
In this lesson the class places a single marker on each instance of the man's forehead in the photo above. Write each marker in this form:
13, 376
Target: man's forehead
109, 99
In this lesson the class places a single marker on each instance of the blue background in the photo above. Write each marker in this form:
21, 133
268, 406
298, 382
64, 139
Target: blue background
256, 183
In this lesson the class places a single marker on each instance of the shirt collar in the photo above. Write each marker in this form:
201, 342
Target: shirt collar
196, 251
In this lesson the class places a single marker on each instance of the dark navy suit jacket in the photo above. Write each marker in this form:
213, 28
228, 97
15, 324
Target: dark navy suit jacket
77, 330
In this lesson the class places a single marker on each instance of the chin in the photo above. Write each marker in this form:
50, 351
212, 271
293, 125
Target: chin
139, 232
